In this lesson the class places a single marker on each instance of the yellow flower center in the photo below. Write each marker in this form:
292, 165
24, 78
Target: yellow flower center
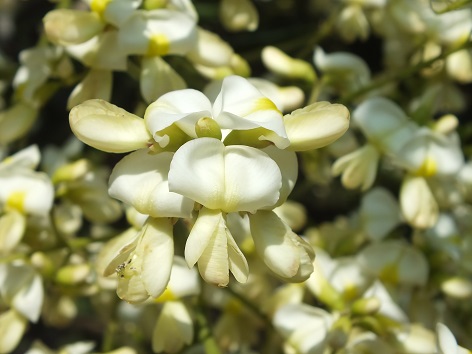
389, 274
428, 168
263, 104
167, 295
99, 6
159, 45
16, 201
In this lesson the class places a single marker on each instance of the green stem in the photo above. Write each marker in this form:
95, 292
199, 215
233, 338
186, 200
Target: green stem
256, 310
205, 335
108, 337
400, 75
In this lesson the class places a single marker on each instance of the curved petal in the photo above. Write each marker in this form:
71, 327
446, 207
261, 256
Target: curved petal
156, 247
233, 178
201, 233
107, 127
316, 125
156, 69
12, 228
140, 179
197, 172
288, 165
242, 106
277, 250
12, 328
418, 205
27, 191
183, 107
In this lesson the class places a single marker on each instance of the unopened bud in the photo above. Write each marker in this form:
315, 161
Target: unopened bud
73, 274
366, 306
71, 171
282, 64
208, 127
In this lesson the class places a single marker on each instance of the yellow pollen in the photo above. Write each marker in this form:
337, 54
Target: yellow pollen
159, 45
99, 6
428, 168
263, 104
389, 274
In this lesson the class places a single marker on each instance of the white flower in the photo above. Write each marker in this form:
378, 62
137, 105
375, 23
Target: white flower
238, 106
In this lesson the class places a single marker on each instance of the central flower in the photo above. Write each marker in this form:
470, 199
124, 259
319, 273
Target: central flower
223, 179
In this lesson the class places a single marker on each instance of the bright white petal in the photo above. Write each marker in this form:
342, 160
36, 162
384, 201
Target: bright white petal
183, 107
139, 179
252, 179
241, 106
29, 300
197, 172
107, 127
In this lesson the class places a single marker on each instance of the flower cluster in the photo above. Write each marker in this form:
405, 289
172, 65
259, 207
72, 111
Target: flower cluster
189, 176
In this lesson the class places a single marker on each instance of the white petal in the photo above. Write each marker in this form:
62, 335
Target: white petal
252, 179
237, 262
288, 165
241, 106
28, 158
29, 300
184, 281
213, 264
197, 172
174, 328
12, 228
156, 70
316, 125
418, 205
233, 178
446, 341
380, 213
27, 191
140, 179
118, 11
156, 247
107, 127
202, 231
96, 84
277, 250
183, 107
12, 327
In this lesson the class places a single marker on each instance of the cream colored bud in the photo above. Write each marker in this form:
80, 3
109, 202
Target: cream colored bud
208, 127
12, 327
238, 15
239, 65
316, 125
16, 122
366, 306
457, 287
71, 171
73, 274
282, 64
68, 27
446, 124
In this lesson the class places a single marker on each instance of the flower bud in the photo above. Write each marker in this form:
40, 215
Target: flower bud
69, 27
316, 125
208, 127
238, 15
282, 64
16, 121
